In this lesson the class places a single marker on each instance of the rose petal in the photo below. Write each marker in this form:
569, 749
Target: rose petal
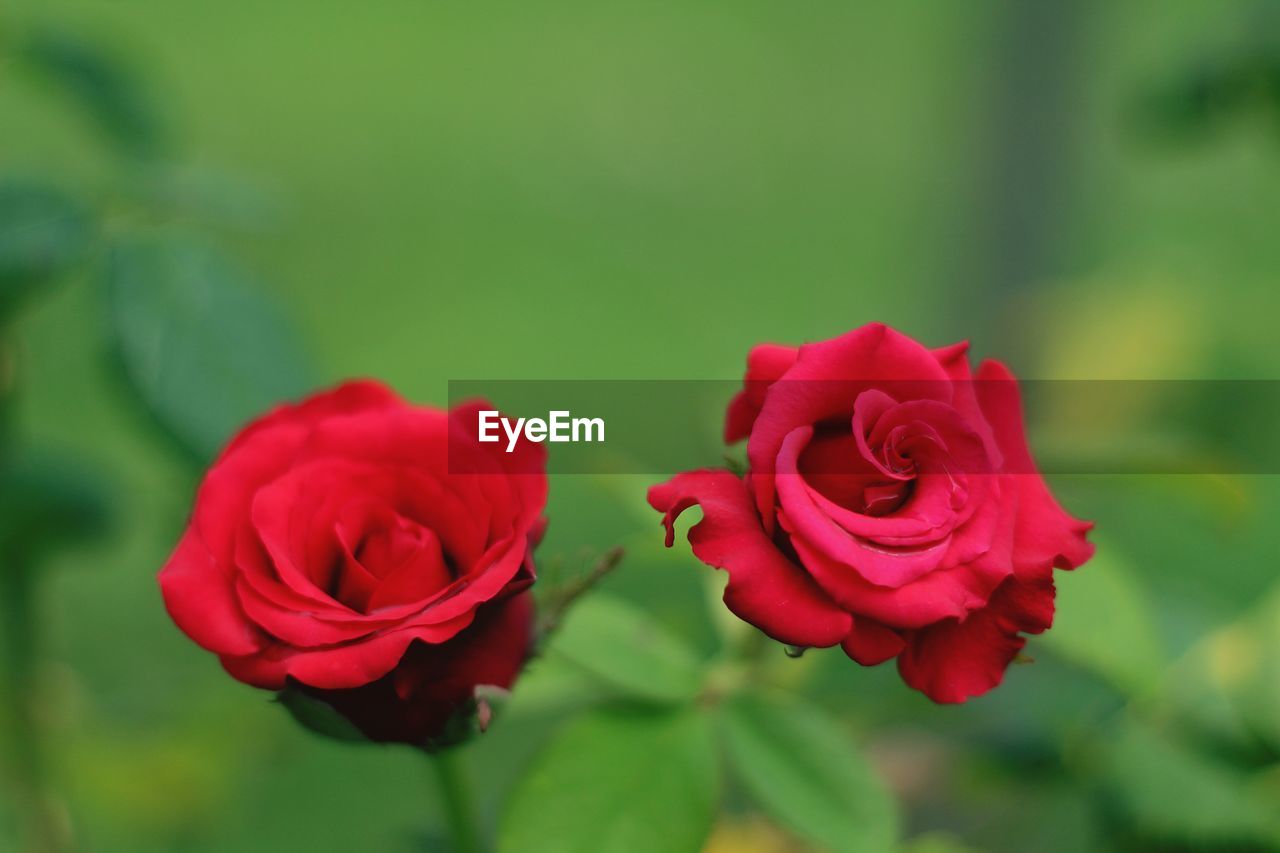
200, 598
880, 564
765, 588
766, 363
870, 643
357, 395
956, 660
1045, 535
337, 666
415, 702
823, 383
940, 594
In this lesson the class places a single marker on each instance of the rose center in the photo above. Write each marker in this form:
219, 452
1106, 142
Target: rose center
833, 465
388, 559
385, 549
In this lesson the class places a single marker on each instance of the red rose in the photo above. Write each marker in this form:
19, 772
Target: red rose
891, 506
370, 553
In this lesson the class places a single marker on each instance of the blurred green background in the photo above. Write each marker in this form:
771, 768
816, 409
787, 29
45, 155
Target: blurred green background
645, 190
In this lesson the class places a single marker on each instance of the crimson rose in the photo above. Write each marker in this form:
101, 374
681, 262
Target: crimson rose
368, 553
891, 506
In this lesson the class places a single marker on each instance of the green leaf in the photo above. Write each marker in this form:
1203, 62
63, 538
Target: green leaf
1171, 791
624, 647
318, 716
620, 779
43, 232
804, 770
98, 80
1103, 623
200, 344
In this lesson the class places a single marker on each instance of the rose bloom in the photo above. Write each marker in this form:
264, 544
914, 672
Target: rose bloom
367, 552
891, 505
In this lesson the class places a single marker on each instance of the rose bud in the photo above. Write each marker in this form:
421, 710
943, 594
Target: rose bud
367, 557
891, 505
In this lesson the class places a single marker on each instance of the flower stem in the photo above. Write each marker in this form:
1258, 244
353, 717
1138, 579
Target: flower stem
455, 797
560, 599
41, 828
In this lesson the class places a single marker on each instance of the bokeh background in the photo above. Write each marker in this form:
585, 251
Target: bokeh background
425, 192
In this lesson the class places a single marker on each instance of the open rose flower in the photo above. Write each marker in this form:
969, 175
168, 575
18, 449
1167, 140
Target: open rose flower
366, 553
891, 506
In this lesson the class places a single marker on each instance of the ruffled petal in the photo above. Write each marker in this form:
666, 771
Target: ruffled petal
415, 702
337, 666
765, 588
956, 660
870, 643
1044, 534
766, 363
200, 597
941, 594
356, 395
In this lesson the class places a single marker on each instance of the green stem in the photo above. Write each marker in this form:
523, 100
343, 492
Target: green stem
750, 653
755, 643
41, 829
739, 667
567, 593
455, 797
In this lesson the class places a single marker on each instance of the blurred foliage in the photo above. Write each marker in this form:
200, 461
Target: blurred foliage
47, 501
43, 232
1101, 611
802, 768
1206, 96
617, 780
627, 649
797, 764
635, 191
203, 349
100, 83
1168, 792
